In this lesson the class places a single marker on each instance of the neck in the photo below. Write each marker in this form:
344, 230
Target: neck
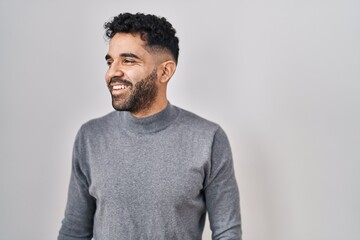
153, 123
155, 108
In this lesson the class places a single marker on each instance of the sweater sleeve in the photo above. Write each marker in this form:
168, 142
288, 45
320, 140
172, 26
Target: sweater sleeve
221, 192
79, 213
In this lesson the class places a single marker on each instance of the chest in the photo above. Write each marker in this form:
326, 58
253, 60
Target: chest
154, 171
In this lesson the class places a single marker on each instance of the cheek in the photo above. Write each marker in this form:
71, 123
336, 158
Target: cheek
134, 75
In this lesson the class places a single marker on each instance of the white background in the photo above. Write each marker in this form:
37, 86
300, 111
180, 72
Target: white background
281, 77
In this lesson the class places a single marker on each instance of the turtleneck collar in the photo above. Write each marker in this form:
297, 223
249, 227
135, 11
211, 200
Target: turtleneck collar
154, 123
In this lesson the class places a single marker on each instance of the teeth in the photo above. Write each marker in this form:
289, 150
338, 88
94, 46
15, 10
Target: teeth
119, 87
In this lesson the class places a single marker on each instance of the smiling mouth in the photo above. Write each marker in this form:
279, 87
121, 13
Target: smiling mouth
119, 87
119, 90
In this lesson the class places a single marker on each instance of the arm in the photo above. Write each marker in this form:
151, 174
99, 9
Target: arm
80, 208
221, 192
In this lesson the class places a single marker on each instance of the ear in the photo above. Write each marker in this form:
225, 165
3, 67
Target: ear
167, 69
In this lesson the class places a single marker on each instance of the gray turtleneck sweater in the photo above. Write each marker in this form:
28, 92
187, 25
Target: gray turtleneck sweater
151, 178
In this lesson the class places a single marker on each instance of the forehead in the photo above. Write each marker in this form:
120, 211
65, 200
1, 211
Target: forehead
127, 43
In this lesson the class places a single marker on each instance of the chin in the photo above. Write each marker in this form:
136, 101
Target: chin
119, 106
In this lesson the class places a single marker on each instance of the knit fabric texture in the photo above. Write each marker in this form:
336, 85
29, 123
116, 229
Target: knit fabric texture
151, 178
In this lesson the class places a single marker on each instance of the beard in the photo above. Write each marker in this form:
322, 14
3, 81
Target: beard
142, 94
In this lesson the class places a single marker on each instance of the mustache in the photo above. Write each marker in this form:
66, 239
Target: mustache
118, 80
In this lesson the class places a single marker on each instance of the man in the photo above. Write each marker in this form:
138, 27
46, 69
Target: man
149, 170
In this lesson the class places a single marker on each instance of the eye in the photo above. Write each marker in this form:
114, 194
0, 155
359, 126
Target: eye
108, 63
129, 60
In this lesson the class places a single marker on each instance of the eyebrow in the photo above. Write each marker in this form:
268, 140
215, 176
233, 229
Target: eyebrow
107, 56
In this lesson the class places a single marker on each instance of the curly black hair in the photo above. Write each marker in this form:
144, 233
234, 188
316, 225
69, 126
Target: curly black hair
156, 31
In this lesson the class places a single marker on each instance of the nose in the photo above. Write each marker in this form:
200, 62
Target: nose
114, 70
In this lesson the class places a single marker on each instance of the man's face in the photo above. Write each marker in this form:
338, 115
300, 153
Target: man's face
131, 77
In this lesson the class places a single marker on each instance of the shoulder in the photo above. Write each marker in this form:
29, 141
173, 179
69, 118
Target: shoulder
193, 122
100, 125
203, 131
